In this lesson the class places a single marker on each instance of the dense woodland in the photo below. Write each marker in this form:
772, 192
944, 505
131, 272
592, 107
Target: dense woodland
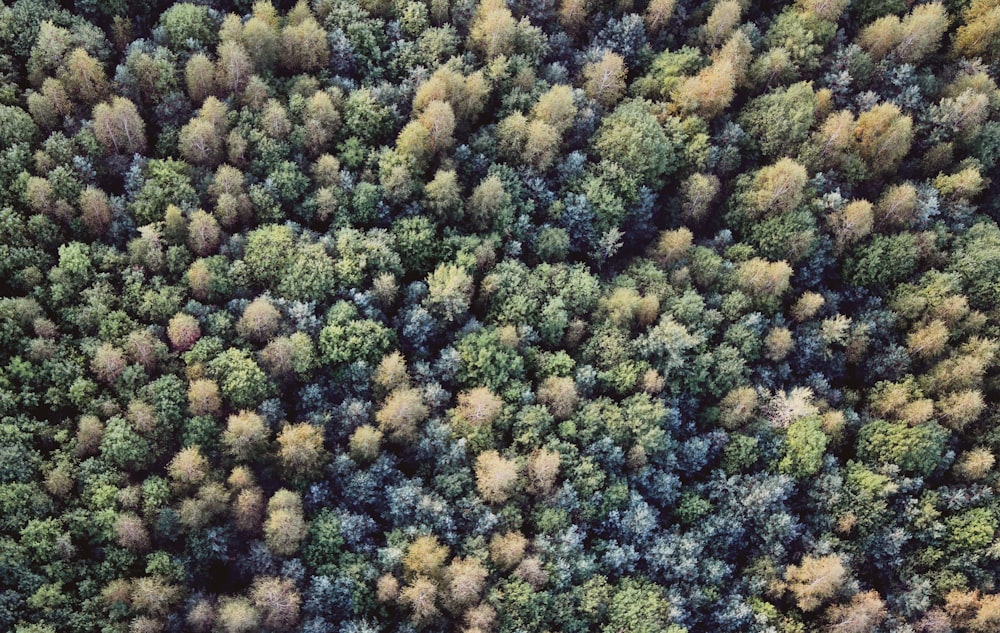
569, 316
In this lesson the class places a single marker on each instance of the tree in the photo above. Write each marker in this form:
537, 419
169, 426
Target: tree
153, 595
189, 467
421, 597
632, 138
542, 472
488, 361
304, 46
443, 195
259, 321
556, 108
288, 357
119, 127
490, 204
929, 340
777, 188
709, 92
978, 36
84, 77
204, 397
497, 478
805, 444
359, 340
248, 510
322, 119
365, 443
884, 135
573, 15
245, 435
883, 262
464, 580
479, 407
698, 192
761, 278
311, 275
131, 533
301, 449
658, 14
881, 36
200, 142
721, 22
914, 449
238, 615
201, 616
187, 24
108, 363
604, 79
278, 602
203, 234
242, 381
450, 292
199, 77
851, 223
781, 119
974, 464
921, 32
559, 394
960, 408
425, 556
269, 251
183, 331
865, 612
401, 413
493, 30
261, 35
507, 549
975, 261
815, 580
95, 210
987, 616
285, 528
233, 68
438, 119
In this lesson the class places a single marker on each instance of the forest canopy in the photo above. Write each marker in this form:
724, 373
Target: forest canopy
499, 316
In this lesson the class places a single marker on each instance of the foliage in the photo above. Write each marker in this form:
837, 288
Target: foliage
499, 316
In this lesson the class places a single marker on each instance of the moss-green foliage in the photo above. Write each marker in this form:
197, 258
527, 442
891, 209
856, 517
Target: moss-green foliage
804, 447
914, 449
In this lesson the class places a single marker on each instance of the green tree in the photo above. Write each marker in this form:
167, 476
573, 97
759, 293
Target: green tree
165, 183
638, 605
325, 542
242, 381
632, 138
269, 251
781, 119
346, 341
805, 443
915, 449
